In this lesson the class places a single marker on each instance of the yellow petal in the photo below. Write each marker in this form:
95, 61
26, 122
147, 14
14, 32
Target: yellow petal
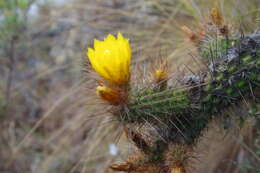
97, 44
110, 37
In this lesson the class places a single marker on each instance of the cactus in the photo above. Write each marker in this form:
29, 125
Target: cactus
182, 114
175, 116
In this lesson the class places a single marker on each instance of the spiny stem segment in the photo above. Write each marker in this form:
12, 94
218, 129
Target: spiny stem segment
188, 111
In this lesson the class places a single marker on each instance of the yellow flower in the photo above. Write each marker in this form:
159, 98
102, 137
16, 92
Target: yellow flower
111, 59
160, 75
111, 95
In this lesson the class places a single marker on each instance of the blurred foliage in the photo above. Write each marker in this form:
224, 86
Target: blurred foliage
13, 17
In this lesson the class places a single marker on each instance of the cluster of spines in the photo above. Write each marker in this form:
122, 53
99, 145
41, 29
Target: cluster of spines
151, 105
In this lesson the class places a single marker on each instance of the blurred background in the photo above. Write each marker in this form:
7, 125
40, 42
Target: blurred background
51, 122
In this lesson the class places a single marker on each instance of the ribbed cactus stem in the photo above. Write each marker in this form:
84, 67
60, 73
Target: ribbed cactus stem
230, 78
